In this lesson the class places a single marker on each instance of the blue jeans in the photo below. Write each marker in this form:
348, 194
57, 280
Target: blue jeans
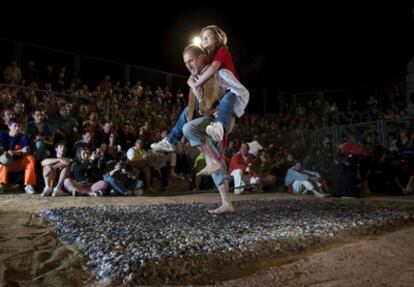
195, 133
177, 131
117, 186
226, 108
225, 114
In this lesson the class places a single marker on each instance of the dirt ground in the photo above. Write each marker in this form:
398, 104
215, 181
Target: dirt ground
373, 261
31, 254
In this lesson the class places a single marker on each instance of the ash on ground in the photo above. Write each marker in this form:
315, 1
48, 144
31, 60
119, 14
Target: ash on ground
182, 243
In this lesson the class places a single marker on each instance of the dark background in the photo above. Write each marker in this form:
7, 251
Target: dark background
297, 47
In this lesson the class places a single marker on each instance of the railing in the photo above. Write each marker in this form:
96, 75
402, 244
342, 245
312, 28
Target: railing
379, 131
50, 101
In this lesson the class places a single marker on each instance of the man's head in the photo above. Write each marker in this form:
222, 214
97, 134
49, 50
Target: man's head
7, 114
298, 165
139, 144
18, 108
38, 116
87, 136
14, 125
244, 149
193, 59
60, 148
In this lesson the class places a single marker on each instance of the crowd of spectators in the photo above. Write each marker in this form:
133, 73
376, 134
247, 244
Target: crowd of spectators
106, 133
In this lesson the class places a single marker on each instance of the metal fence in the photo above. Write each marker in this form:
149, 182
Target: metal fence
379, 132
50, 101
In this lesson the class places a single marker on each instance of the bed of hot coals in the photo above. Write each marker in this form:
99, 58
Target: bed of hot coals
182, 243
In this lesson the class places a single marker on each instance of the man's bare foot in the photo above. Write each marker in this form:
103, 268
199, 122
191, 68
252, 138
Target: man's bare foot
222, 209
210, 168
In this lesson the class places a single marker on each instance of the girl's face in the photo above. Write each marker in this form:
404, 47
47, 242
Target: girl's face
208, 39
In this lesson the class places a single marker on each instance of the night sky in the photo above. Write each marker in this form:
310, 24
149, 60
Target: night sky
290, 47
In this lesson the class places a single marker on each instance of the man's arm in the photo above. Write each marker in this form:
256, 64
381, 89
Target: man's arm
22, 151
312, 173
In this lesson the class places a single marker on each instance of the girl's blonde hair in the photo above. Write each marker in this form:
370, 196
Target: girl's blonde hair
220, 35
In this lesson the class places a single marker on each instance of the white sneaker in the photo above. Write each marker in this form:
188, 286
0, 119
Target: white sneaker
29, 189
46, 191
163, 145
97, 193
215, 131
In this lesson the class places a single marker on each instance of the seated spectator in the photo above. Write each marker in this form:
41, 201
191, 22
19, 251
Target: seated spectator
41, 134
138, 157
87, 140
299, 180
20, 113
92, 123
263, 166
17, 146
122, 180
31, 73
255, 146
6, 115
126, 138
186, 156
54, 167
114, 150
67, 126
87, 175
242, 170
12, 73
102, 136
404, 176
199, 164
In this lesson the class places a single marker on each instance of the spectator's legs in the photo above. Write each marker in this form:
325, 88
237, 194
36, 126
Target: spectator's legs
113, 183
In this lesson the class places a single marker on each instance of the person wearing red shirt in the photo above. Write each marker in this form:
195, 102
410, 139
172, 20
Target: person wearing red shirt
242, 170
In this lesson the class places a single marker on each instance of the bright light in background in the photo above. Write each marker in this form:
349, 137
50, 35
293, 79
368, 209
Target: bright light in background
196, 41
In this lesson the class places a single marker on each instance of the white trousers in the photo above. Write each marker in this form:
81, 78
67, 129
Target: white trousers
301, 186
240, 180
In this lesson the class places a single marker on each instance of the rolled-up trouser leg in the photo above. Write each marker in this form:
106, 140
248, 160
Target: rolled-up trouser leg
194, 131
